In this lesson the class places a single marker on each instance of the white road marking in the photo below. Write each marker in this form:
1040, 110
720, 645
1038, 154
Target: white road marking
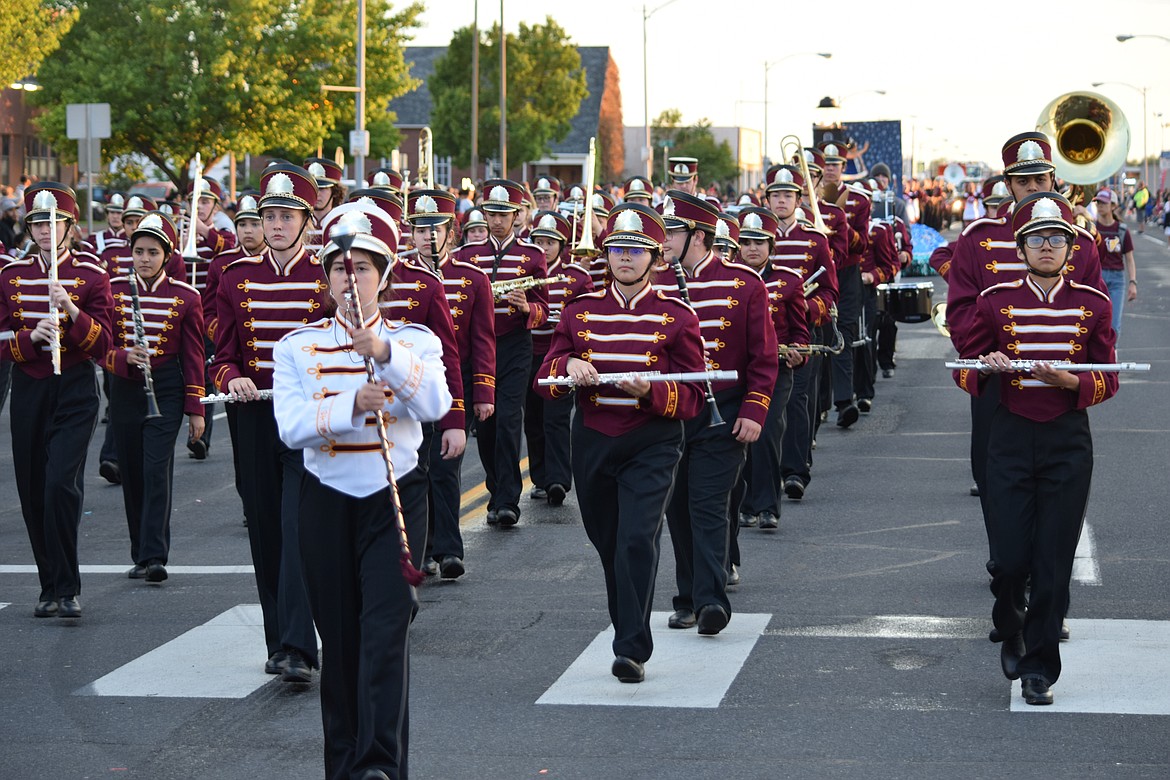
1085, 567
1099, 665
4, 604
182, 668
219, 416
686, 670
1153, 240
895, 627
122, 568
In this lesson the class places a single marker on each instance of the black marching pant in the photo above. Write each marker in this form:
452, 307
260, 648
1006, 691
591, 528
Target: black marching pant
109, 450
413, 488
498, 437
848, 313
5, 380
887, 341
763, 474
698, 514
231, 410
546, 429
52, 422
1038, 477
271, 477
209, 388
146, 455
445, 488
623, 487
983, 408
802, 414
362, 607
865, 356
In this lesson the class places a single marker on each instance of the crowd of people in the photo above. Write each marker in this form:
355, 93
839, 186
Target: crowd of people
668, 356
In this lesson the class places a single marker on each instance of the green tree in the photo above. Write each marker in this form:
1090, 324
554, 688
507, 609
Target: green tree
29, 32
545, 87
213, 76
716, 161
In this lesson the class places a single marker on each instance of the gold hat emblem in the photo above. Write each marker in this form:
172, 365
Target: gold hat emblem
783, 176
498, 193
355, 222
753, 222
637, 186
831, 151
117, 200
668, 206
317, 170
426, 205
475, 215
247, 203
598, 201
576, 194
135, 202
1028, 151
280, 184
542, 184
547, 222
151, 222
999, 190
722, 230
682, 168
44, 200
628, 221
381, 179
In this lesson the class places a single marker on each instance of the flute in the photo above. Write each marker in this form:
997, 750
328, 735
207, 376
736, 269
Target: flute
54, 312
7, 335
344, 234
1026, 366
649, 376
140, 340
232, 398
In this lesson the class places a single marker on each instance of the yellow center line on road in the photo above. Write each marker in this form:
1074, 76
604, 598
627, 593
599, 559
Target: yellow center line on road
472, 497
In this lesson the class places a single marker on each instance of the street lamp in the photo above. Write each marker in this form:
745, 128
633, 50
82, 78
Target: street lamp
767, 66
1145, 146
1124, 38
646, 86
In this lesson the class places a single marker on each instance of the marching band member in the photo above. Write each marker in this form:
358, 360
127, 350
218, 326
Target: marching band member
258, 300
113, 235
387, 179
1040, 449
172, 316
638, 189
505, 258
732, 304
330, 194
879, 265
416, 293
475, 228
471, 306
727, 237
546, 420
546, 194
684, 174
349, 540
800, 245
849, 285
116, 258
53, 416
893, 211
995, 194
762, 475
627, 437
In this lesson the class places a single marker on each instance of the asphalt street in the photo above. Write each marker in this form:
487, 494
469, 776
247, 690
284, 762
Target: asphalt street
857, 648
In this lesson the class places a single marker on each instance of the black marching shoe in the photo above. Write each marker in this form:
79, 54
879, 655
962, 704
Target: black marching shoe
296, 669
769, 521
137, 572
70, 607
628, 670
747, 521
110, 472
887, 373
155, 573
537, 493
451, 567
275, 662
864, 405
1065, 633
491, 517
375, 774
794, 488
556, 494
733, 576
975, 489
847, 415
1036, 691
712, 619
45, 608
682, 618
1010, 653
198, 449
430, 568
507, 517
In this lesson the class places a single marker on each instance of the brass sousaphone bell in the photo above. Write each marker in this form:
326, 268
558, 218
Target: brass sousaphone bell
1090, 136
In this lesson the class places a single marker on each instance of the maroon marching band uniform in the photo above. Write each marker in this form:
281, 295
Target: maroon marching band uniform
172, 315
53, 417
626, 449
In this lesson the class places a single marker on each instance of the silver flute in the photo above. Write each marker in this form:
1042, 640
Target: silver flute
232, 398
1026, 366
649, 376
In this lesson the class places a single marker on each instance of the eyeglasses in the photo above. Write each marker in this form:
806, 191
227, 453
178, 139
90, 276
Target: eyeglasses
1059, 241
636, 252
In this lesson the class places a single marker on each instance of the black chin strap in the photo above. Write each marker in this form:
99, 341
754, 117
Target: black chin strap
1046, 274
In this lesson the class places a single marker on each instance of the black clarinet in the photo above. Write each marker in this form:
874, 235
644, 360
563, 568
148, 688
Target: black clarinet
681, 278
140, 340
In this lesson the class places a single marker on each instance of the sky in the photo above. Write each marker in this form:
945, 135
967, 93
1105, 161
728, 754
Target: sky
962, 76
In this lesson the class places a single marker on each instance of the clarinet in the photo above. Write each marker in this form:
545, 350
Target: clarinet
681, 278
140, 340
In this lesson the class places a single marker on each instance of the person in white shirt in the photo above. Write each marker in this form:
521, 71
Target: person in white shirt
354, 550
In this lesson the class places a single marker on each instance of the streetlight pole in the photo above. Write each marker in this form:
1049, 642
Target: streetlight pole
768, 66
1145, 116
503, 96
649, 152
359, 109
475, 91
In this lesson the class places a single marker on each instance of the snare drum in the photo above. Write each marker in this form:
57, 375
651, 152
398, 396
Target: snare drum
907, 301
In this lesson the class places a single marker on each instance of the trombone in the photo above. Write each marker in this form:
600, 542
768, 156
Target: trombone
190, 243
426, 159
585, 247
790, 141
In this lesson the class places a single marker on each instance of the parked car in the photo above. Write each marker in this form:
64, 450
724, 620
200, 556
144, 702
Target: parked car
158, 191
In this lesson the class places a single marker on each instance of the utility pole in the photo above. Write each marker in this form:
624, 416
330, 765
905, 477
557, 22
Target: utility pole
503, 96
475, 93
